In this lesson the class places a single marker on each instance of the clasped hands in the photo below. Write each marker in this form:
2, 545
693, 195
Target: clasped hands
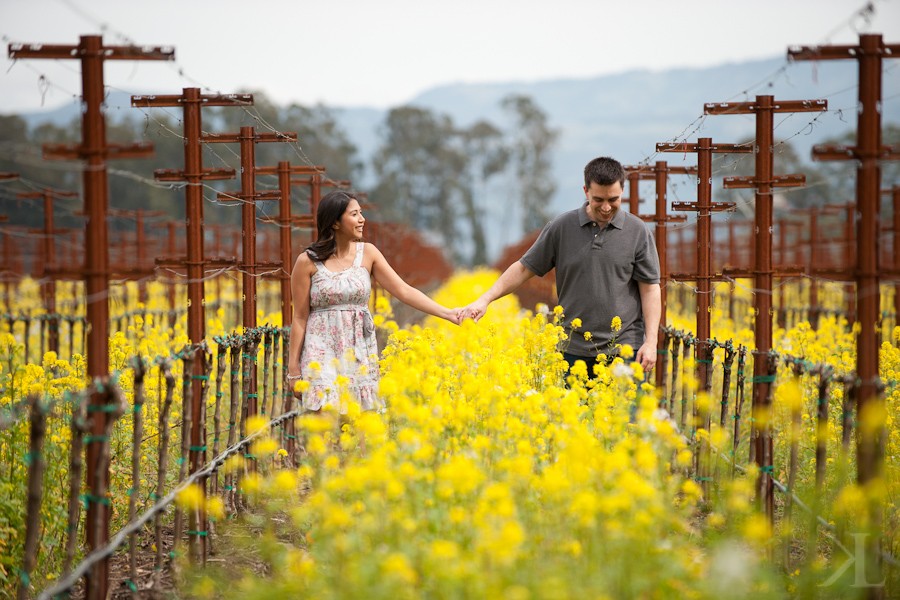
473, 311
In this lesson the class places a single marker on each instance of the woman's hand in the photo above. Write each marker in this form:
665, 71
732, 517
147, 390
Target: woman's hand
292, 380
454, 315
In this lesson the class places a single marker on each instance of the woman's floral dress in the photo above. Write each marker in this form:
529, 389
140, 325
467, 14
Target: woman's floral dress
340, 340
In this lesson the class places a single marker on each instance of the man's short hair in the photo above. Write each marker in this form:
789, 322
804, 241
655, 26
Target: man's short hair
604, 171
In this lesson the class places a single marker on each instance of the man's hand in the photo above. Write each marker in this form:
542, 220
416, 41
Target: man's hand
474, 311
513, 277
646, 356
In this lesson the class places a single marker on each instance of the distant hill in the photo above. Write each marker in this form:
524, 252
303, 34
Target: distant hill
626, 114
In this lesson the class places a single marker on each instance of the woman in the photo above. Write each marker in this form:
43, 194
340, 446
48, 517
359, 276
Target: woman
332, 332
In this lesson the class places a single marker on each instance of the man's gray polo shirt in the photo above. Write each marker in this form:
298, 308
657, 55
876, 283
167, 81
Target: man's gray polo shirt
597, 274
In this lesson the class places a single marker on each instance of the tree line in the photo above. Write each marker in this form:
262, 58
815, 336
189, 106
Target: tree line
428, 172
455, 184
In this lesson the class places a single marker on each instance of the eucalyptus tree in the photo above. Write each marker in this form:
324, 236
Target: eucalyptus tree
488, 156
419, 169
532, 141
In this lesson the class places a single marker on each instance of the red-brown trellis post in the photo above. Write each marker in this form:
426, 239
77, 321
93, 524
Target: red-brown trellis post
703, 275
704, 206
895, 247
139, 270
789, 256
869, 54
847, 255
171, 228
95, 150
285, 221
12, 268
284, 170
218, 254
816, 266
812, 243
659, 173
764, 108
634, 177
48, 259
740, 245
736, 249
248, 196
194, 174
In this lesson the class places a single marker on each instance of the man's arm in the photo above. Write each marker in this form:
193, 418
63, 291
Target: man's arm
512, 278
651, 308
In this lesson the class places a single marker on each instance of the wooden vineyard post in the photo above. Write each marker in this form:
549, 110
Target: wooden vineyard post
248, 196
894, 192
95, 151
139, 269
285, 221
195, 174
704, 206
659, 174
13, 269
868, 152
48, 258
846, 256
764, 108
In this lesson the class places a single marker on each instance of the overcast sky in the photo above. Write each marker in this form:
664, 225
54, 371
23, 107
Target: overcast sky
383, 52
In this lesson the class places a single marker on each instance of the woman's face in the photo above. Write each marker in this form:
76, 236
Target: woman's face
352, 221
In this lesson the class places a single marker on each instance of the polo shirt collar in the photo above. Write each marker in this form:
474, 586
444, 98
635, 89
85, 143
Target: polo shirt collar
583, 218
618, 221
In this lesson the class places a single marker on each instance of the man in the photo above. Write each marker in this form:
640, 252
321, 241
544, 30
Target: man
606, 267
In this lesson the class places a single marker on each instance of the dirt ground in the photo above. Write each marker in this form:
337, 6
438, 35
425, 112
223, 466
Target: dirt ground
232, 552
150, 583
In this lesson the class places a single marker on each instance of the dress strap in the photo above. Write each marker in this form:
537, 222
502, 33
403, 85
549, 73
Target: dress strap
360, 246
319, 266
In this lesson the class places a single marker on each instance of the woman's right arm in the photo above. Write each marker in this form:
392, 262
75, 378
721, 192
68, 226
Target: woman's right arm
301, 277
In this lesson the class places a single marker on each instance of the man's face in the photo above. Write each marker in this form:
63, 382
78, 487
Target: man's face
603, 201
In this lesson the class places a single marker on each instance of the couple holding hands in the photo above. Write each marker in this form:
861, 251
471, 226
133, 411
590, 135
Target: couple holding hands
606, 266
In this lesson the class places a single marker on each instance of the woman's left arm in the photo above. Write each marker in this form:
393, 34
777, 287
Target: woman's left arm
387, 278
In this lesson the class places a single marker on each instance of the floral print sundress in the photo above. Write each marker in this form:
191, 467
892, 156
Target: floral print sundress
340, 340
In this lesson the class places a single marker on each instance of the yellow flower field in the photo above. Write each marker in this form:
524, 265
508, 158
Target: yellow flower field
489, 475
489, 478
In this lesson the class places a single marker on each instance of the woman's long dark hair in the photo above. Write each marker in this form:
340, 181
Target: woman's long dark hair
331, 208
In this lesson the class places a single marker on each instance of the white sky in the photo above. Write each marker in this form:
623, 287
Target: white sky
383, 52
